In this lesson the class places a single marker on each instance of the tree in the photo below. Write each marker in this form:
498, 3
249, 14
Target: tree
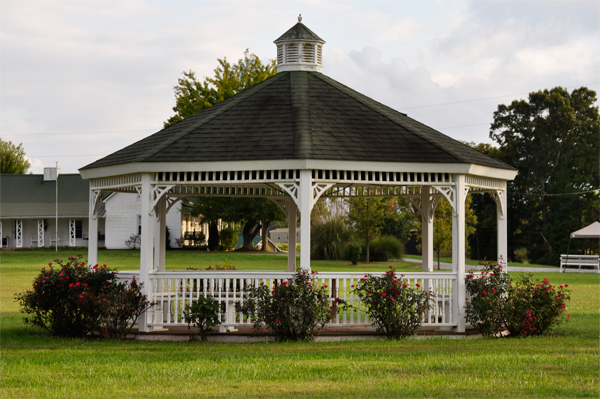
367, 216
552, 139
12, 159
192, 96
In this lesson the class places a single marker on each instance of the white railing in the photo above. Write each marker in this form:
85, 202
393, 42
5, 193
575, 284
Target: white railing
172, 292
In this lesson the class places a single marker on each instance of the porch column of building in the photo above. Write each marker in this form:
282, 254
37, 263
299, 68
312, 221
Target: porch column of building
292, 217
458, 251
92, 230
427, 229
305, 196
160, 232
502, 227
146, 242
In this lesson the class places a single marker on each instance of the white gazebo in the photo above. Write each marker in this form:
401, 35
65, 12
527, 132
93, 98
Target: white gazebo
294, 138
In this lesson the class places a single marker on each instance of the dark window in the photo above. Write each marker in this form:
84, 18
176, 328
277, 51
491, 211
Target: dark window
78, 229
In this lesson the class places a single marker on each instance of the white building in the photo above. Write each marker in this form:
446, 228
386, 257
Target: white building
282, 235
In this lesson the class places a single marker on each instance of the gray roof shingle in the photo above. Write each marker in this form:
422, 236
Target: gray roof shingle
299, 115
29, 196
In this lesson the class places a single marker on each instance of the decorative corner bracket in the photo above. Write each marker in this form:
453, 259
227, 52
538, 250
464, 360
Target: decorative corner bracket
95, 203
498, 197
157, 194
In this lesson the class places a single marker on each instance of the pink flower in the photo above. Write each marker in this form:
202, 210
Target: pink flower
393, 300
568, 315
80, 296
49, 264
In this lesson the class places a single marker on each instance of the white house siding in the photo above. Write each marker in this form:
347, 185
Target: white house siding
282, 235
122, 210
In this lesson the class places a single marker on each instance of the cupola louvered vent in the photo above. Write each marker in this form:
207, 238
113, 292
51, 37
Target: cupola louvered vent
299, 49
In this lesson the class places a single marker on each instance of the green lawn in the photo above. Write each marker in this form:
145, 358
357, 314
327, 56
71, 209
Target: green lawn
473, 262
32, 365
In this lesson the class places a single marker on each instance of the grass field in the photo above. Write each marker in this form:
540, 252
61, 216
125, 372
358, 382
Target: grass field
565, 364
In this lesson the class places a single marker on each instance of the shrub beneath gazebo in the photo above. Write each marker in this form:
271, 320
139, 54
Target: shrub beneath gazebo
72, 300
524, 308
294, 310
395, 308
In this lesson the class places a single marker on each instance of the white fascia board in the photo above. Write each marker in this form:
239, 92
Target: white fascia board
45, 217
495, 173
151, 167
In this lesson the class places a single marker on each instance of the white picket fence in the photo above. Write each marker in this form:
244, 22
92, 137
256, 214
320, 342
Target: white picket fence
172, 292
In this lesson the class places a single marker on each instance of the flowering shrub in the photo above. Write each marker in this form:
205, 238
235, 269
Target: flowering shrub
486, 305
524, 308
133, 241
63, 298
203, 314
120, 306
71, 300
294, 310
395, 308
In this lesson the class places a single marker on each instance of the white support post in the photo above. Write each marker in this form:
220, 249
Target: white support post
458, 250
1, 236
292, 216
72, 232
146, 242
19, 233
40, 232
427, 211
502, 228
305, 197
160, 234
92, 231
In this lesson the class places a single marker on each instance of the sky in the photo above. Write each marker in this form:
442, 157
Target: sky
82, 79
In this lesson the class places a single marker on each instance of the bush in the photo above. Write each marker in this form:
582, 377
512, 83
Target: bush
120, 307
352, 252
525, 308
383, 249
203, 314
395, 308
134, 241
329, 238
63, 301
294, 310
228, 238
74, 301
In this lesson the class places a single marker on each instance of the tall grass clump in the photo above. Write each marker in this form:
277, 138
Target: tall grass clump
329, 238
383, 249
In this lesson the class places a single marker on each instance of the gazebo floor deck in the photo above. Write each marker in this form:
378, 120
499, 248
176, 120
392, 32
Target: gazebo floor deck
330, 333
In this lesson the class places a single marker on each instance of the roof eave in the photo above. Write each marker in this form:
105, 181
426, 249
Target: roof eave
151, 167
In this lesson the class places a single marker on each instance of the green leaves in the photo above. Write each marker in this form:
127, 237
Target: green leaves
192, 95
12, 158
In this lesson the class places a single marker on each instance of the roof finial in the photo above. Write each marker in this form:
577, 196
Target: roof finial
299, 17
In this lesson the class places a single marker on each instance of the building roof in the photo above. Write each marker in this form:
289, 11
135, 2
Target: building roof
299, 115
29, 196
299, 32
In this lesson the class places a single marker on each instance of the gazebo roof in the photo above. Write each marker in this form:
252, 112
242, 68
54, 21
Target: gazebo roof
299, 32
299, 115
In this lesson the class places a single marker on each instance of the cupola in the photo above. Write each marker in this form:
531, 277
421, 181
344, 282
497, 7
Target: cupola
299, 49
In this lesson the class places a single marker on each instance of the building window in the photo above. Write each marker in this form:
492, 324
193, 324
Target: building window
139, 224
78, 229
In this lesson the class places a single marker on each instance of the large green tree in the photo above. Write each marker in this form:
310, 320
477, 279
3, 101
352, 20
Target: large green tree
552, 139
12, 158
192, 96
367, 216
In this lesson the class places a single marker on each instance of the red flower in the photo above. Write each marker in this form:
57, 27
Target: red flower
566, 285
493, 290
85, 284
276, 320
285, 283
71, 285
49, 264
392, 299
568, 315
383, 294
352, 285
80, 296
95, 267
272, 292
78, 283
391, 267
325, 286
562, 306
405, 286
483, 293
418, 285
